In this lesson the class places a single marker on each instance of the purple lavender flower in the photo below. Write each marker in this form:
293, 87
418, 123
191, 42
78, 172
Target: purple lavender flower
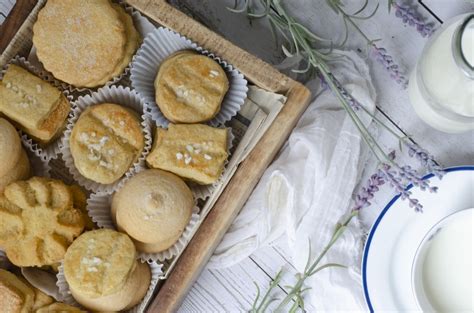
386, 60
410, 16
398, 179
367, 192
425, 158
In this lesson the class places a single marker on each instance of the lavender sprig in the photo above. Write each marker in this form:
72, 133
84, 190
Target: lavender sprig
425, 158
386, 60
367, 192
395, 180
411, 17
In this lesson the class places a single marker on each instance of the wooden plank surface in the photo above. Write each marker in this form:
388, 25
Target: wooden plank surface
14, 20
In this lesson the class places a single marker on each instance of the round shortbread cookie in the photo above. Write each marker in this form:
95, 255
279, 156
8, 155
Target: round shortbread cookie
99, 263
21, 170
105, 141
190, 87
79, 41
10, 147
153, 207
133, 41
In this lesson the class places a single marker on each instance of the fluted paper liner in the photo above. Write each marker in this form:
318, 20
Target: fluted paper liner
142, 25
52, 149
118, 95
99, 209
160, 44
156, 275
42, 280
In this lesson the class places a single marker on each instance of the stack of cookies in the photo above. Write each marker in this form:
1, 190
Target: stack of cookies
103, 273
86, 43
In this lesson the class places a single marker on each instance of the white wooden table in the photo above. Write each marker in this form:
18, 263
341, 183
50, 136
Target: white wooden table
232, 289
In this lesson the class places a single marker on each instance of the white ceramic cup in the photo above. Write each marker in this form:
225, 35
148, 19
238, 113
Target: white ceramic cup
418, 281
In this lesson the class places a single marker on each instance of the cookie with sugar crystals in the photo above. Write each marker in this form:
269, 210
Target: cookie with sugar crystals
193, 151
80, 41
190, 87
105, 141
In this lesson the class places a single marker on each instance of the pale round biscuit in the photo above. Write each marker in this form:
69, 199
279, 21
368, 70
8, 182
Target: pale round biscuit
105, 141
133, 41
190, 87
79, 41
20, 171
127, 297
99, 263
10, 147
153, 207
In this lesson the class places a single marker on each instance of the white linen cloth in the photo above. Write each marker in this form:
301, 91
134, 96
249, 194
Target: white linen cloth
307, 190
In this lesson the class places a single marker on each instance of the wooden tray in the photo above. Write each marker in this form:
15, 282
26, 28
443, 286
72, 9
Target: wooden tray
211, 231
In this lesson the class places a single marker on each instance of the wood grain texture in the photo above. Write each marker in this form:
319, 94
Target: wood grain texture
260, 73
14, 20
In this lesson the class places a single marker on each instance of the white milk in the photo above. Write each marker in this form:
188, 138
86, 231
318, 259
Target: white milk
448, 269
441, 92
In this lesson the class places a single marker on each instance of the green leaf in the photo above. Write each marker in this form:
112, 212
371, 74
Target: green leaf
257, 297
286, 52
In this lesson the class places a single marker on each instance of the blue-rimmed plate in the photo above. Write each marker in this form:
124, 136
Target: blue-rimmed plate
396, 234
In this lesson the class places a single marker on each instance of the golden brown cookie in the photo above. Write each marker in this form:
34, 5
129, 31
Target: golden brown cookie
41, 299
37, 107
15, 295
153, 208
10, 147
38, 221
20, 171
59, 307
79, 41
103, 273
190, 87
105, 141
133, 41
80, 202
196, 152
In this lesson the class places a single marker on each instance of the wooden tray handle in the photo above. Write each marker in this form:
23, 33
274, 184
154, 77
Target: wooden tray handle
260, 73
14, 20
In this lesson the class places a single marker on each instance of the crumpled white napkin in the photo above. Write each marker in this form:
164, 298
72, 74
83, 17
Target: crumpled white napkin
307, 189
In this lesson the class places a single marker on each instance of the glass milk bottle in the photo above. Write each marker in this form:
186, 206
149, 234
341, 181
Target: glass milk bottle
441, 87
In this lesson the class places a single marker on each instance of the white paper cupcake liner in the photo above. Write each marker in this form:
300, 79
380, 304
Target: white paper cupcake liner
43, 280
143, 26
38, 166
113, 94
160, 44
156, 275
52, 149
98, 208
